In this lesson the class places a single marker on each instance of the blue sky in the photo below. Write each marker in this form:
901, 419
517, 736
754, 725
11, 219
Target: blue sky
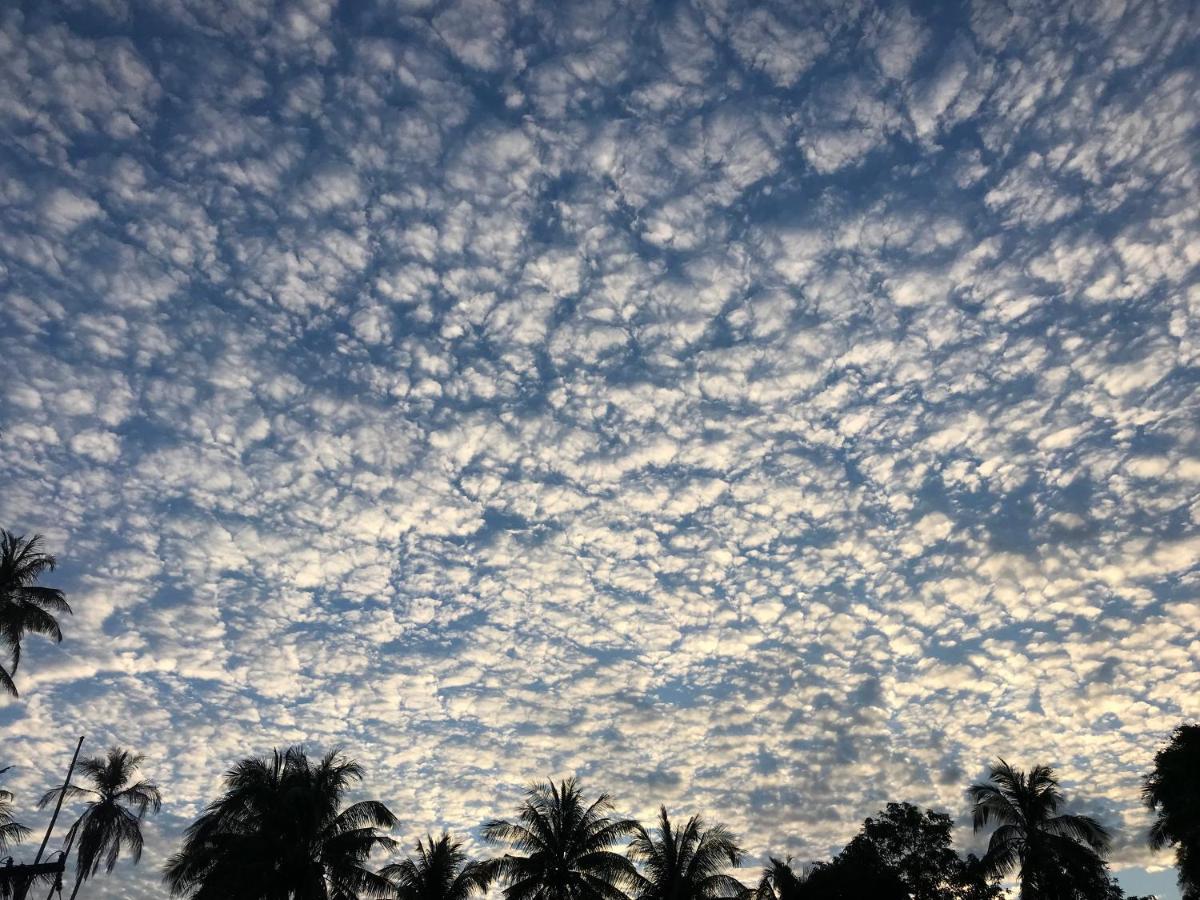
769, 410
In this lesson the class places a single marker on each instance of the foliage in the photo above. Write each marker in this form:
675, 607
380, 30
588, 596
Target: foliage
901, 853
440, 870
566, 846
25, 606
917, 846
279, 832
111, 821
1172, 791
858, 871
974, 882
686, 863
11, 832
1058, 856
779, 881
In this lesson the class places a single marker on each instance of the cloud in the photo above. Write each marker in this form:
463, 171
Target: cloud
101, 446
762, 411
64, 210
783, 51
475, 31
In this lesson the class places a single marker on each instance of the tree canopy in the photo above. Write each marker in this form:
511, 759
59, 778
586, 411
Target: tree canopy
1056, 855
566, 848
1172, 791
26, 607
280, 832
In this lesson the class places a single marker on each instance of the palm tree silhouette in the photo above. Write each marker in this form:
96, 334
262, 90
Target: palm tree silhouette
685, 864
111, 822
279, 832
1172, 790
779, 881
25, 606
567, 846
10, 831
439, 871
1057, 854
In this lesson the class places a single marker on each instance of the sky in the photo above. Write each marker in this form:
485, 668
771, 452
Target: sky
769, 410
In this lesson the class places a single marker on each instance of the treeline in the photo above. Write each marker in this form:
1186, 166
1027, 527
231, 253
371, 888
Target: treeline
281, 829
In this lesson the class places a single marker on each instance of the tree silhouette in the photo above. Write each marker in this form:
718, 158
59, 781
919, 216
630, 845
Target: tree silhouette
1172, 791
686, 863
1057, 855
10, 831
918, 846
111, 821
279, 832
25, 606
974, 882
440, 870
855, 873
567, 847
779, 881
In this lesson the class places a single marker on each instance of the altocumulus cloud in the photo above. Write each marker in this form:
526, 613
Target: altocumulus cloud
765, 409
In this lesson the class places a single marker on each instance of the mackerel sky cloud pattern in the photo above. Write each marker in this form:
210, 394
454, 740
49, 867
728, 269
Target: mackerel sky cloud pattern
767, 409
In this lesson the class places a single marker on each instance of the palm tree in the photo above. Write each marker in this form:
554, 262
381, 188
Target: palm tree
1172, 791
1058, 855
780, 881
279, 832
686, 864
10, 831
439, 871
111, 822
567, 846
25, 606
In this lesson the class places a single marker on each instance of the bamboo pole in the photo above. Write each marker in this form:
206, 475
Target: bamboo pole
23, 889
57, 882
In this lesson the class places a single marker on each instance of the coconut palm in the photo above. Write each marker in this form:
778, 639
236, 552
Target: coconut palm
279, 832
779, 881
567, 847
1058, 855
25, 606
10, 831
1172, 791
111, 821
688, 863
439, 871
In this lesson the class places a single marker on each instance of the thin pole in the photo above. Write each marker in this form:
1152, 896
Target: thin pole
57, 882
24, 889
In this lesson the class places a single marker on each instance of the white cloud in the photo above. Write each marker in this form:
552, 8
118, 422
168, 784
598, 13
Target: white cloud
475, 31
781, 50
491, 383
65, 210
100, 446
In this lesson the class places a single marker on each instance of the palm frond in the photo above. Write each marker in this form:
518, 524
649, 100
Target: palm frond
364, 813
69, 792
279, 830
49, 600
510, 833
1081, 828
993, 801
1160, 834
